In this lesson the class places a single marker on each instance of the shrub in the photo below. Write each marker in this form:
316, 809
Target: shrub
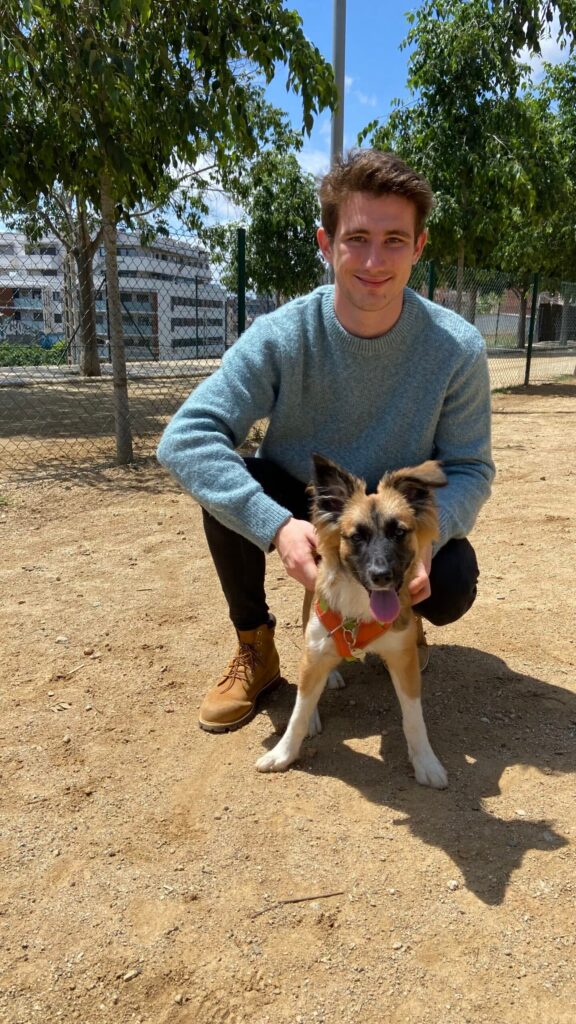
32, 355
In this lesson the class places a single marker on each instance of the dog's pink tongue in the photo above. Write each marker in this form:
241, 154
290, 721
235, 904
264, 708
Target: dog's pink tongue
384, 605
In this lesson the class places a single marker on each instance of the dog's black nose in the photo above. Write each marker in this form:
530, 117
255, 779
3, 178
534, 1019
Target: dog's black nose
380, 577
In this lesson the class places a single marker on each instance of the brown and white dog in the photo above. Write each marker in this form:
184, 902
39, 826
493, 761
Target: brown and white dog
369, 546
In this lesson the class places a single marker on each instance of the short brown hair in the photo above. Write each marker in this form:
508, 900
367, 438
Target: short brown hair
379, 174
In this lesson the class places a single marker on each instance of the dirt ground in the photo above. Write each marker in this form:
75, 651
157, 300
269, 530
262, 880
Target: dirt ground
150, 874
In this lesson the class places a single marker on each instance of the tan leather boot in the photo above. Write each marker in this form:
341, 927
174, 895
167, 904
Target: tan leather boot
423, 649
254, 668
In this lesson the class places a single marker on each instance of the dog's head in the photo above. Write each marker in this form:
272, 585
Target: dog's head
376, 538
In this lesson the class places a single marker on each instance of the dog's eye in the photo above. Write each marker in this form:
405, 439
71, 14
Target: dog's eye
355, 538
400, 532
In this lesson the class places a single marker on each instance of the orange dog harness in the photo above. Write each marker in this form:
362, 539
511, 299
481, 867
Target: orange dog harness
349, 635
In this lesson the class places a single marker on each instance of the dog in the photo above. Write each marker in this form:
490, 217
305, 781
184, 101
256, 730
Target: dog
368, 548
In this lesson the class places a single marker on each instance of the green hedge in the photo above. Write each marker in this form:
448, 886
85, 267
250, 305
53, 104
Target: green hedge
32, 355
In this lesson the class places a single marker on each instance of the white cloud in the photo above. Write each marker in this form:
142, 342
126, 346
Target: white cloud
365, 100
348, 83
324, 127
315, 161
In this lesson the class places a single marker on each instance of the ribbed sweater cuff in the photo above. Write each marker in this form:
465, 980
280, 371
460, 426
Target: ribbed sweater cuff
262, 519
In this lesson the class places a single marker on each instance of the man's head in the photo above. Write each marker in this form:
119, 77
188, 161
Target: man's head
374, 209
377, 174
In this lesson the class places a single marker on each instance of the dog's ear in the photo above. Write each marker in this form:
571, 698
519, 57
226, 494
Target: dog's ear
332, 487
416, 482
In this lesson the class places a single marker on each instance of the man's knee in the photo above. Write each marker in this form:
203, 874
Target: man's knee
453, 582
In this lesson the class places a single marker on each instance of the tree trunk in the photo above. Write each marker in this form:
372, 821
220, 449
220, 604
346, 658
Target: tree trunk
521, 332
124, 453
89, 360
460, 277
568, 312
471, 304
70, 308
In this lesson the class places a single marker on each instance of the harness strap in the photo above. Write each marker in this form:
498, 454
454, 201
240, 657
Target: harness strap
349, 635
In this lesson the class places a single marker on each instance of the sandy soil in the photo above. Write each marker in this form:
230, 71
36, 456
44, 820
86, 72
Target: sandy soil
149, 874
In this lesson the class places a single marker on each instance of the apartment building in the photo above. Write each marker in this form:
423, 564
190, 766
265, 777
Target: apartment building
171, 306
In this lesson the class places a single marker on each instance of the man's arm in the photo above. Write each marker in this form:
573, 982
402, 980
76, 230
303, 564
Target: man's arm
199, 444
462, 443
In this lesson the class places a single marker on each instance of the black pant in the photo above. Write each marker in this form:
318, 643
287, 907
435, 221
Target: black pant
241, 566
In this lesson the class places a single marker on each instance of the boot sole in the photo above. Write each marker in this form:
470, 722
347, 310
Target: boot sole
218, 727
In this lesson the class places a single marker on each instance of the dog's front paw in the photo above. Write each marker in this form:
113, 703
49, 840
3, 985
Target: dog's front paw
335, 681
314, 725
429, 771
276, 760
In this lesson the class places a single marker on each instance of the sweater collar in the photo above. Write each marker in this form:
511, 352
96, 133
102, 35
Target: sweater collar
401, 331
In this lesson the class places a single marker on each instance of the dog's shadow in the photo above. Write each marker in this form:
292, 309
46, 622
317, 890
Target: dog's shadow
482, 719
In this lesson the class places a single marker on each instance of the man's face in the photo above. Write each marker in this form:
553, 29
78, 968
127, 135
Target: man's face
372, 253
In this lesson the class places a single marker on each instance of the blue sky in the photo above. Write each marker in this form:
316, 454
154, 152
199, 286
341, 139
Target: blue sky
376, 68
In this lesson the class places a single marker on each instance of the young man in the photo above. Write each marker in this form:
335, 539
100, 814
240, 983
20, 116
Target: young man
365, 372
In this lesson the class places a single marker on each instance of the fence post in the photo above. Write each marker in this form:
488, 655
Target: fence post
241, 281
531, 329
431, 280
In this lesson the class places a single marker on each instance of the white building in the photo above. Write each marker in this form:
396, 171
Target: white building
171, 307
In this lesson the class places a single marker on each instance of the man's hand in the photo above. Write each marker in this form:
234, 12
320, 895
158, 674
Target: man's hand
295, 542
419, 586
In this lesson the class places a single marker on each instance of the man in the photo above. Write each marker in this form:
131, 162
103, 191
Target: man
365, 372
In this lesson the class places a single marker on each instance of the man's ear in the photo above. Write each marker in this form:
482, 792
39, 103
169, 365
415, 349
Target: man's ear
324, 243
332, 487
419, 246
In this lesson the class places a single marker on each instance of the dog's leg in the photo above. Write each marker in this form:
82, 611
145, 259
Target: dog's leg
405, 672
310, 686
334, 682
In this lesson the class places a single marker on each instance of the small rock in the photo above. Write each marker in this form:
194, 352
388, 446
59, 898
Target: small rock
453, 885
130, 975
61, 640
88, 651
67, 739
179, 999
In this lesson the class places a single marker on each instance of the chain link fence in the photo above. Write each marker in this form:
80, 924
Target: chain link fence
57, 387
529, 325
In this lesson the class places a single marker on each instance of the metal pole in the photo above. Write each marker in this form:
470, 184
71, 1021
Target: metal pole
431, 280
241, 281
531, 329
196, 308
338, 64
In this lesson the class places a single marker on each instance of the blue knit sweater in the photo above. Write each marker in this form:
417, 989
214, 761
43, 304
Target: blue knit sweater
419, 391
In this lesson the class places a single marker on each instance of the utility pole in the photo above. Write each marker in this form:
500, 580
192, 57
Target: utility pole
338, 64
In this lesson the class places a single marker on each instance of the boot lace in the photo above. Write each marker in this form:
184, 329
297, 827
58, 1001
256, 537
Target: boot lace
242, 666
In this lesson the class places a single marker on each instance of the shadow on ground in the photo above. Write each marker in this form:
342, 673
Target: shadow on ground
483, 718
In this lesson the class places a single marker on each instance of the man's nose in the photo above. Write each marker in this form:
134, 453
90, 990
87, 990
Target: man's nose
374, 255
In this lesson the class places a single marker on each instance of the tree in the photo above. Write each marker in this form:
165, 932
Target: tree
110, 98
282, 256
470, 129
